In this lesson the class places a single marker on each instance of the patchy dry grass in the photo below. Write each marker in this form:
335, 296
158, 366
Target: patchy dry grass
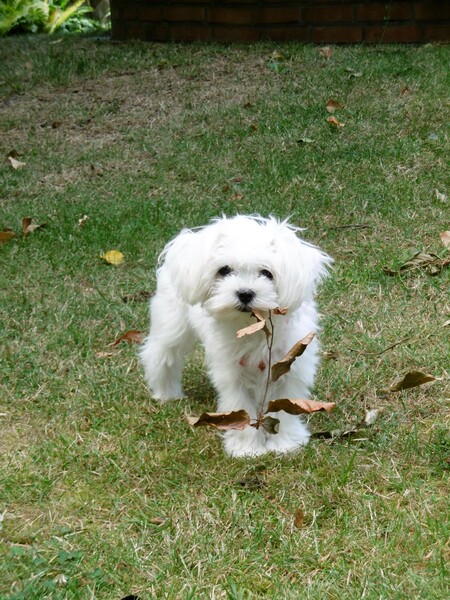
103, 493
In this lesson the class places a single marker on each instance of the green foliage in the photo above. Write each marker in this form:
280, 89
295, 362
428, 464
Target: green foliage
46, 16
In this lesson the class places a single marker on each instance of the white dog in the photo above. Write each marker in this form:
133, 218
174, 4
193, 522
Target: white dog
209, 281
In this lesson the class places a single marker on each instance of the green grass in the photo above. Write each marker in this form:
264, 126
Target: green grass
103, 492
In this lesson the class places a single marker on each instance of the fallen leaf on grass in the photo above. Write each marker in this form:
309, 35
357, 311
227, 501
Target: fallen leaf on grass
283, 366
299, 406
299, 518
370, 419
332, 106
411, 380
157, 521
28, 226
16, 164
353, 73
102, 354
82, 222
238, 419
6, 235
113, 257
141, 296
445, 238
421, 260
372, 416
130, 336
441, 196
335, 123
326, 52
305, 140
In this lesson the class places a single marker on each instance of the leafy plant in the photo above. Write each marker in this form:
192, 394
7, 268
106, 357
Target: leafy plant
25, 13
46, 16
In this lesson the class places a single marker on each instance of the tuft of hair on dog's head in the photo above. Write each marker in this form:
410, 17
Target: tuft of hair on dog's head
243, 263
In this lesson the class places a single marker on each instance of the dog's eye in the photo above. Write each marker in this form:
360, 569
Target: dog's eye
266, 273
223, 271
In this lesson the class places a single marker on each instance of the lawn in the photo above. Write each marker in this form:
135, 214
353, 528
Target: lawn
104, 493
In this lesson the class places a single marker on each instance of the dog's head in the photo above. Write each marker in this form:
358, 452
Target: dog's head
244, 263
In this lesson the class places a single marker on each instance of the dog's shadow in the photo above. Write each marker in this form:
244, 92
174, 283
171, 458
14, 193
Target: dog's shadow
197, 386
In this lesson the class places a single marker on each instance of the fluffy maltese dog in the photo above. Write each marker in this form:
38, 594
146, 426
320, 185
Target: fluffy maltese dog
209, 281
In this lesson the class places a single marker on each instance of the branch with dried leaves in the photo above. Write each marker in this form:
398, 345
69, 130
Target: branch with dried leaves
240, 419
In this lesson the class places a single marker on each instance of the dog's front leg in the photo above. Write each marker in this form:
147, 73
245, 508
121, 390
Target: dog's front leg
164, 350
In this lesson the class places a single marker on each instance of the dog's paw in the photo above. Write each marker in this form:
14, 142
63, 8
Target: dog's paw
292, 435
249, 442
166, 395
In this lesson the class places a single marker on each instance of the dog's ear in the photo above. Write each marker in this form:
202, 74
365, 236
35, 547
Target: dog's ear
300, 267
185, 264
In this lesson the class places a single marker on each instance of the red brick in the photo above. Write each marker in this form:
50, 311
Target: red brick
192, 14
436, 33
190, 33
336, 35
285, 34
327, 14
431, 11
150, 13
274, 15
118, 31
393, 34
236, 34
397, 11
230, 16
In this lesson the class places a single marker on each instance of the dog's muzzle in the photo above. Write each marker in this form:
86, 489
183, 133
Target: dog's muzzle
245, 296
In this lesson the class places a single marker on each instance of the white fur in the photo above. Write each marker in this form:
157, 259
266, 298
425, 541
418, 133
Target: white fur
193, 301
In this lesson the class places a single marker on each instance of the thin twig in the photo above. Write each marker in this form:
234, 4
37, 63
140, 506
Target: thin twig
269, 338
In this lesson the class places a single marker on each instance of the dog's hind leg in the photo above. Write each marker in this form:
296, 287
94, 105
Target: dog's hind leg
164, 350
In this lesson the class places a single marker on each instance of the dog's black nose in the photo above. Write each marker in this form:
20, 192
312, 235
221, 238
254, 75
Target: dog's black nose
245, 295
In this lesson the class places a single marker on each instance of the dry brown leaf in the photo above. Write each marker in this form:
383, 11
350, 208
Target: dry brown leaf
238, 419
130, 336
445, 238
283, 366
335, 123
371, 416
141, 296
28, 226
280, 311
441, 196
326, 52
421, 260
299, 406
253, 328
104, 354
332, 106
15, 164
157, 521
270, 424
299, 518
6, 235
411, 380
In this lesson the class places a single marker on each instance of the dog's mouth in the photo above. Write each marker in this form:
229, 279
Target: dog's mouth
244, 308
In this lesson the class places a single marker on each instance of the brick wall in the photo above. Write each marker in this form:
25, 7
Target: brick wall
315, 21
